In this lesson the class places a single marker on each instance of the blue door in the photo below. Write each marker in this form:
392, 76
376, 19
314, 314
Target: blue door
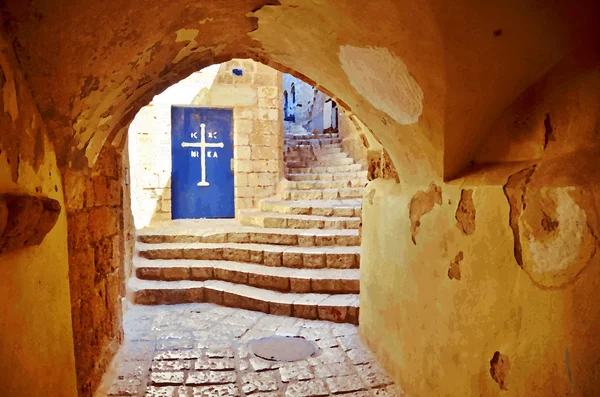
202, 149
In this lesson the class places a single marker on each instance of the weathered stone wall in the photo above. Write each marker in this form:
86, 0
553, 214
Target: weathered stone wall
254, 97
97, 238
36, 340
495, 274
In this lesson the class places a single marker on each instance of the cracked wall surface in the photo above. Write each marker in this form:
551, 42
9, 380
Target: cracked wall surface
36, 334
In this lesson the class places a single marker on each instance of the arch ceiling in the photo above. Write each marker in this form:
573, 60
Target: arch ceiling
428, 77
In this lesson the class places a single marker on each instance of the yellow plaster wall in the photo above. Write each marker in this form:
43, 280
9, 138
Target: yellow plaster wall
504, 259
36, 339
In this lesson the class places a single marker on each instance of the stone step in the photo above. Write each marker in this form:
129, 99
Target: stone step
340, 176
295, 137
338, 308
324, 170
314, 157
288, 237
279, 220
337, 208
334, 257
312, 142
314, 147
315, 150
330, 281
310, 185
319, 163
323, 194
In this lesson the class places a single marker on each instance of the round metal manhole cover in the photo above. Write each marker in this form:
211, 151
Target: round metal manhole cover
283, 348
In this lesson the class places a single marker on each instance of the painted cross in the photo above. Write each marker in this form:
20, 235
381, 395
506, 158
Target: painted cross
202, 145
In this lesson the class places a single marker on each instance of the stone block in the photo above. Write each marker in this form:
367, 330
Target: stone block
300, 285
25, 220
269, 282
175, 273
292, 259
201, 273
233, 276
272, 258
242, 152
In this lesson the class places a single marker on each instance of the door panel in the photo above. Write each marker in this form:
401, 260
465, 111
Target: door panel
202, 150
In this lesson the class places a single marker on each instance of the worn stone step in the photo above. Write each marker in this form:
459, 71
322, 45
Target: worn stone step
339, 184
297, 137
330, 281
340, 176
313, 142
324, 170
337, 208
314, 147
279, 220
319, 163
299, 155
288, 237
306, 150
338, 308
266, 254
323, 194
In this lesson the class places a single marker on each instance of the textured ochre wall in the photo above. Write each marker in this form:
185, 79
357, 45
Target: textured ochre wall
36, 341
503, 260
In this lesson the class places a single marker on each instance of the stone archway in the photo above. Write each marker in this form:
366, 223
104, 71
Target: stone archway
438, 87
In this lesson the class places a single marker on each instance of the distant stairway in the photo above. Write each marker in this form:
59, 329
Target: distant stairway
297, 255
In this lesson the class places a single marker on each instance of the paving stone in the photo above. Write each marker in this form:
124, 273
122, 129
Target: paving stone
167, 391
220, 352
360, 356
327, 356
167, 378
177, 355
344, 384
373, 376
309, 388
258, 364
169, 366
210, 378
333, 369
229, 390
350, 342
216, 364
259, 382
295, 371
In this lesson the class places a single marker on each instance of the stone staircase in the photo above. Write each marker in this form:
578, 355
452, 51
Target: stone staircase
297, 255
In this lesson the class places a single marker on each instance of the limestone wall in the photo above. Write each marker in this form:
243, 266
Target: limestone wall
97, 240
254, 96
36, 338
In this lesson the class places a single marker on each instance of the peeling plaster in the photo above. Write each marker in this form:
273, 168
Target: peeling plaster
9, 90
384, 80
499, 369
465, 212
553, 241
421, 204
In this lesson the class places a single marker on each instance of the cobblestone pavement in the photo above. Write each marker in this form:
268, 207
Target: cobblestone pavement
202, 350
